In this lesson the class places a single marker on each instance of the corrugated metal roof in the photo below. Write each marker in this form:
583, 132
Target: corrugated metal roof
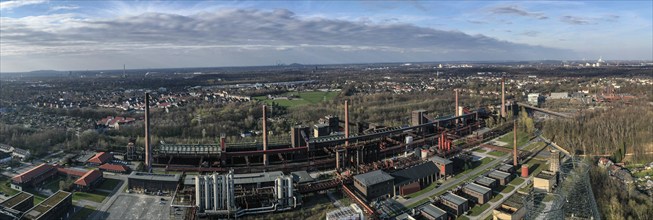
154, 176
256, 177
498, 174
373, 177
440, 160
433, 211
478, 188
483, 180
454, 198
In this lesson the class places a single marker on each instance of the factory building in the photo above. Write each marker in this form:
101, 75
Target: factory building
320, 130
374, 184
445, 165
432, 212
412, 179
152, 182
502, 177
545, 180
242, 194
20, 202
298, 135
477, 193
33, 176
486, 181
54, 207
554, 162
506, 168
511, 209
454, 204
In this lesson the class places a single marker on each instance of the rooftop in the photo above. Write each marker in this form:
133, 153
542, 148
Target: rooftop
478, 188
415, 172
440, 160
499, 174
301, 177
47, 204
374, 177
544, 175
100, 158
504, 166
516, 201
88, 178
114, 167
154, 176
250, 178
433, 211
16, 199
32, 173
483, 180
189, 148
454, 198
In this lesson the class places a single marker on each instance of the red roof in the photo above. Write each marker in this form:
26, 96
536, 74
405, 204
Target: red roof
100, 158
32, 173
88, 178
114, 167
71, 172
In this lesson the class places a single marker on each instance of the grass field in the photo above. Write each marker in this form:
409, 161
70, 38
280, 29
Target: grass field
480, 150
522, 138
109, 184
496, 198
84, 213
517, 181
497, 153
478, 209
93, 197
507, 189
305, 98
534, 146
5, 186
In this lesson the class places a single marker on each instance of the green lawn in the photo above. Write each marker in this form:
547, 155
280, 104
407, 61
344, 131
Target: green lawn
94, 197
480, 150
109, 184
522, 138
483, 162
462, 217
507, 189
305, 98
517, 181
425, 190
53, 184
478, 209
496, 198
5, 186
534, 146
84, 213
497, 153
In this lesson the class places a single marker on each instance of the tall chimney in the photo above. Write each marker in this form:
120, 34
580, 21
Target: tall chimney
503, 98
514, 143
456, 114
346, 121
265, 137
148, 147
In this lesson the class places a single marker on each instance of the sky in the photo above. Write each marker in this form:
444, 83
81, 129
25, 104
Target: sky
95, 35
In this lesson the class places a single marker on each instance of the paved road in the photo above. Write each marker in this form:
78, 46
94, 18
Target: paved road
458, 180
102, 210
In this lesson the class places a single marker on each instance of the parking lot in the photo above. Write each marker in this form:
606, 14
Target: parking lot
133, 206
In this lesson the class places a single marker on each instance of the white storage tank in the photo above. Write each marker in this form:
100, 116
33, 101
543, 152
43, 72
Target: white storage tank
425, 154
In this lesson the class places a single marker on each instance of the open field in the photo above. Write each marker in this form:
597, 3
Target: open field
422, 191
109, 184
522, 138
497, 153
94, 197
478, 209
305, 98
6, 188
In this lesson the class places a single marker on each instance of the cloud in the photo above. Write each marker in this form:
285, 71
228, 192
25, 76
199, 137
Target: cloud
476, 21
516, 10
8, 5
251, 33
63, 8
578, 20
530, 33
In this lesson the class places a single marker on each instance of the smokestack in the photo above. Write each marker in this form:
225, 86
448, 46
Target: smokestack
265, 137
456, 103
514, 142
223, 144
148, 147
346, 121
503, 98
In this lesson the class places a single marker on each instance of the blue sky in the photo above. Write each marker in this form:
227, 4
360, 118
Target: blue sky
79, 35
